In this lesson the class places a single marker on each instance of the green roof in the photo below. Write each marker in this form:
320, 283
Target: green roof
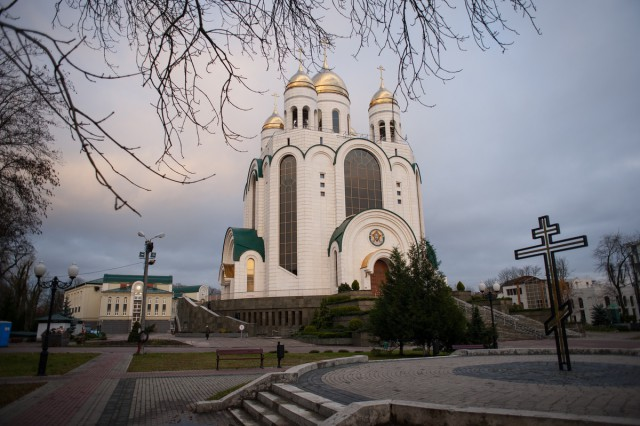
155, 279
55, 318
187, 289
127, 289
338, 233
245, 239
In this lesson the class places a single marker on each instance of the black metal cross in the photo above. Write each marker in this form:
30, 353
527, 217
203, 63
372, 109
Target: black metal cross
560, 310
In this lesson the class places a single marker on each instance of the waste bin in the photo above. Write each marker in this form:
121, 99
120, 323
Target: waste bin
5, 331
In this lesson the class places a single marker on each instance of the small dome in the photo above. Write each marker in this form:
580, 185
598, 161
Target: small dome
382, 96
300, 79
273, 122
327, 81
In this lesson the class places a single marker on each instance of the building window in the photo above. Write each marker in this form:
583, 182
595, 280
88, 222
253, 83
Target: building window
322, 193
288, 215
305, 117
253, 202
320, 122
321, 184
155, 311
164, 307
124, 307
109, 306
321, 175
373, 133
392, 130
149, 307
362, 182
251, 270
580, 303
294, 117
335, 114
399, 201
117, 310
383, 131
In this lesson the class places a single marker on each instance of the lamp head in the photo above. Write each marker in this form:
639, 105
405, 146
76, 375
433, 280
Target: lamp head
141, 234
496, 287
482, 286
40, 269
73, 271
160, 235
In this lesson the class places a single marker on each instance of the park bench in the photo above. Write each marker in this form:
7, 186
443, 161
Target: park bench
239, 354
469, 346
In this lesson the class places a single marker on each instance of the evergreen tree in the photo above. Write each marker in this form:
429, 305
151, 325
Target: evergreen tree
477, 332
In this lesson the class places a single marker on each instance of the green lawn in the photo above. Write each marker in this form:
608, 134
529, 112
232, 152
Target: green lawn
26, 364
13, 391
207, 360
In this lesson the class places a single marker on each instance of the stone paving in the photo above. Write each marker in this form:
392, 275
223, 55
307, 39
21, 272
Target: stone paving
101, 392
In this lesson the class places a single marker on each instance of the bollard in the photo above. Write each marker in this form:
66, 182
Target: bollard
280, 353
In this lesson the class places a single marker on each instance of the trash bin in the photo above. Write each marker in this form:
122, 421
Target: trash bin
5, 332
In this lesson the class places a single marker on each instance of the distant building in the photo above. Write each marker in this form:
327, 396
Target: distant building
197, 293
527, 291
586, 293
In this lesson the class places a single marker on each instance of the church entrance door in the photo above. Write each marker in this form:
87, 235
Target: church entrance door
380, 269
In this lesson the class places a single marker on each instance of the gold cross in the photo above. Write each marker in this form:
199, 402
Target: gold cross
381, 68
275, 101
300, 51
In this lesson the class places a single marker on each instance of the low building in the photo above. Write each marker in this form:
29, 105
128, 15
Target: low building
527, 291
84, 302
586, 293
197, 293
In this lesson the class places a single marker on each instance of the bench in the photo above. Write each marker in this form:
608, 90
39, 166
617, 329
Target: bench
239, 354
470, 346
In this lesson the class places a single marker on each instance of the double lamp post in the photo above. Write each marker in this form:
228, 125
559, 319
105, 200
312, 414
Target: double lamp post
40, 269
491, 295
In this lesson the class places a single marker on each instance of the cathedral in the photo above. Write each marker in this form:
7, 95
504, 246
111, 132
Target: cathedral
323, 204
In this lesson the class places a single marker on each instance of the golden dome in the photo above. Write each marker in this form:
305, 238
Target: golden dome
382, 96
300, 79
273, 122
327, 81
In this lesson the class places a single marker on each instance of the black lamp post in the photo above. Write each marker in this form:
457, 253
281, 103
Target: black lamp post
148, 249
40, 269
490, 295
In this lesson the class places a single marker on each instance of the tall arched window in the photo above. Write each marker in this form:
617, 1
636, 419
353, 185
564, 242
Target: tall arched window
288, 215
383, 131
254, 185
294, 117
305, 117
320, 119
335, 115
392, 130
251, 272
373, 133
362, 182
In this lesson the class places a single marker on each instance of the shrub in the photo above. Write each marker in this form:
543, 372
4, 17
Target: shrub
355, 285
328, 351
344, 287
343, 351
355, 324
337, 298
460, 286
345, 310
314, 351
310, 329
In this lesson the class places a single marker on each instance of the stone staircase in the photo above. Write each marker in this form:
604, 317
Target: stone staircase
511, 327
285, 404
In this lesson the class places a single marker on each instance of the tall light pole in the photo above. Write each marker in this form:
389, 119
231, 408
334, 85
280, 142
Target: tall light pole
40, 269
490, 295
148, 248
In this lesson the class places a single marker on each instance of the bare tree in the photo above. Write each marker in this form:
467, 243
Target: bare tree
613, 256
27, 165
177, 43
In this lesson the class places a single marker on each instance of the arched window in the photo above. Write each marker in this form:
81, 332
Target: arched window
288, 215
335, 267
254, 182
362, 182
335, 115
580, 303
109, 306
305, 117
294, 117
392, 130
383, 131
607, 301
124, 306
320, 120
373, 133
348, 123
251, 271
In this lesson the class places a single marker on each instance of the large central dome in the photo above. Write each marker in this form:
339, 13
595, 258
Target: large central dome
327, 81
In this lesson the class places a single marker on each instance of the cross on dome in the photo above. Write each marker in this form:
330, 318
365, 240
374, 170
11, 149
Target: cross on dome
381, 68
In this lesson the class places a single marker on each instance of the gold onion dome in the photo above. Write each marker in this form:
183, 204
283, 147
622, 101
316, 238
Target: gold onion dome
273, 122
300, 79
382, 96
327, 81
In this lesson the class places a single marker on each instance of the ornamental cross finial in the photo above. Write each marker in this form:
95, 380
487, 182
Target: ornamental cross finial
275, 102
300, 52
381, 68
324, 43
560, 310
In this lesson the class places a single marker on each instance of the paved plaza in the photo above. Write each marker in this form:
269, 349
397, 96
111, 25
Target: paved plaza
101, 392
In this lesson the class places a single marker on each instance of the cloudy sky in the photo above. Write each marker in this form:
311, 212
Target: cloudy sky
550, 127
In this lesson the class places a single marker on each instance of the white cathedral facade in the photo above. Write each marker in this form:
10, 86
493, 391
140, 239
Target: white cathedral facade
322, 204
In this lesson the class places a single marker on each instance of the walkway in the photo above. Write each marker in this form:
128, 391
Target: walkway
101, 392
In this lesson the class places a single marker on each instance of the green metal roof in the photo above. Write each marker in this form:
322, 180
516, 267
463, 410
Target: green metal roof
127, 289
338, 233
244, 240
155, 279
55, 318
187, 289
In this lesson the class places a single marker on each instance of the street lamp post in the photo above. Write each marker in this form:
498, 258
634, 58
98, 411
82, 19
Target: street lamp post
490, 295
40, 269
148, 248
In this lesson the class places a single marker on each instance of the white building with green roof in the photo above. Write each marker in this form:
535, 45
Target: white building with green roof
323, 204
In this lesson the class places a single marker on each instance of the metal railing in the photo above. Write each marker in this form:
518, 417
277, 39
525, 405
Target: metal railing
501, 318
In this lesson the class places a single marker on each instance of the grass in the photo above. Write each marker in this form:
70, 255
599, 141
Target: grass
207, 360
26, 364
225, 392
13, 392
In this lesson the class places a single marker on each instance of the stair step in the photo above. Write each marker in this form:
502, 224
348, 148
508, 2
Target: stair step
243, 417
263, 414
295, 413
316, 403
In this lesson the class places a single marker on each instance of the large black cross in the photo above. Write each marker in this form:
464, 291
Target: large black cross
560, 310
